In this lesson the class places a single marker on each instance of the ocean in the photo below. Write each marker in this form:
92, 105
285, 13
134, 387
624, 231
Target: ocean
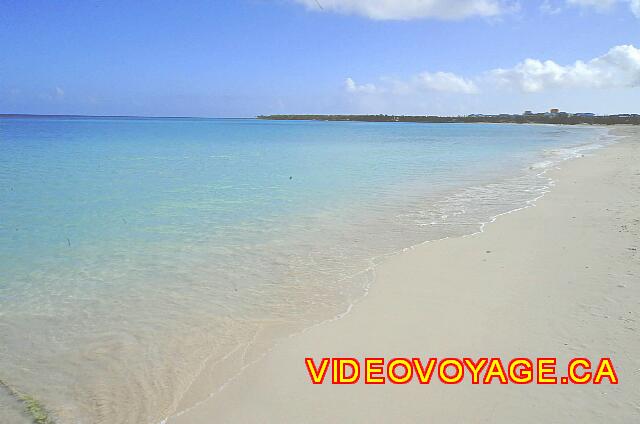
140, 255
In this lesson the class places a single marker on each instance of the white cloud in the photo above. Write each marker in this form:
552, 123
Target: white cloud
609, 83
410, 9
619, 67
618, 70
603, 5
352, 87
442, 82
59, 92
445, 82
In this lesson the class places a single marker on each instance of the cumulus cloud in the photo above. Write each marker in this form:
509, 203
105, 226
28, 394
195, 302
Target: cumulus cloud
410, 9
351, 87
443, 82
619, 67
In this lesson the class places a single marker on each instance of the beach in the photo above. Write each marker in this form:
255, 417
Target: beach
184, 269
173, 253
557, 279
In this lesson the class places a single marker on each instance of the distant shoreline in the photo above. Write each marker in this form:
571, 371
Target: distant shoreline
538, 118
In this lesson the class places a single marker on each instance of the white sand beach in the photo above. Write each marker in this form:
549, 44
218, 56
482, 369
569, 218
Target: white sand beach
559, 279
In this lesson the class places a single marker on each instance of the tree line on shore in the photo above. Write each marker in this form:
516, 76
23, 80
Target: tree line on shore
537, 118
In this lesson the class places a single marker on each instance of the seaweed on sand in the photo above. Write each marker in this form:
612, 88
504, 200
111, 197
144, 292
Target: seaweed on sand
32, 406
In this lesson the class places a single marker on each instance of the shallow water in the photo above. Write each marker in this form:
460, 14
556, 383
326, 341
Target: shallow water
136, 254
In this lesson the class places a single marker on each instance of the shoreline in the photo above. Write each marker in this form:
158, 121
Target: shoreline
210, 408
277, 334
191, 351
234, 362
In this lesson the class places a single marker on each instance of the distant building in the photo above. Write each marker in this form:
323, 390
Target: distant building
585, 115
527, 113
554, 111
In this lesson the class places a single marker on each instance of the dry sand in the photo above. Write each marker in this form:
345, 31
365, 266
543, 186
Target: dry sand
558, 279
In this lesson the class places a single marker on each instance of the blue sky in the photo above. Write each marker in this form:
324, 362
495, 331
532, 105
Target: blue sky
249, 57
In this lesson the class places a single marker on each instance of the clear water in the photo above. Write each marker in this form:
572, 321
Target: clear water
138, 256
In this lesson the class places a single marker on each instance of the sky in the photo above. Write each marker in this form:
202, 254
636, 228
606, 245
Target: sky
241, 58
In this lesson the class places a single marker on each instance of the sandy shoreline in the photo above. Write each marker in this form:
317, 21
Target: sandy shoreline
560, 279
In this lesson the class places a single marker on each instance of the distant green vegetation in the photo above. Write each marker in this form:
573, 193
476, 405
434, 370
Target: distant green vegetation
535, 118
32, 406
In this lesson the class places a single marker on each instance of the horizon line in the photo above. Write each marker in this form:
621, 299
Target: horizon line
75, 115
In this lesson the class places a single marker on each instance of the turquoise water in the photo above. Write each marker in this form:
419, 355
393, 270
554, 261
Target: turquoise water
139, 255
